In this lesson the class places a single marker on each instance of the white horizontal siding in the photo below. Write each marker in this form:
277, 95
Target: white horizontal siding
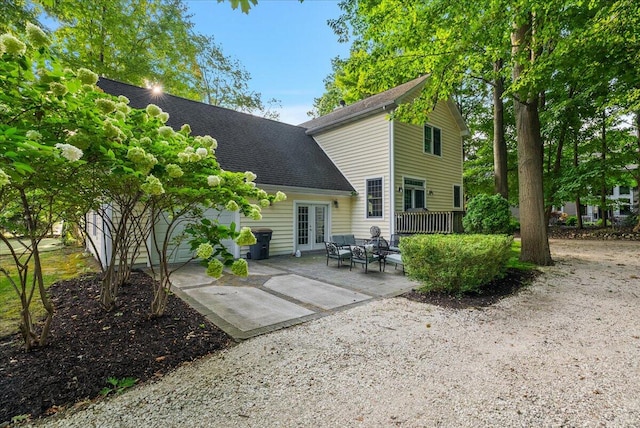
361, 151
281, 219
441, 173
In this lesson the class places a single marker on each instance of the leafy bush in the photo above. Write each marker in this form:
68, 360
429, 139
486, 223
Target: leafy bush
630, 220
488, 215
455, 264
572, 221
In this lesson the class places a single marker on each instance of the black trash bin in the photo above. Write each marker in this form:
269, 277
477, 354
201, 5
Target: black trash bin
260, 250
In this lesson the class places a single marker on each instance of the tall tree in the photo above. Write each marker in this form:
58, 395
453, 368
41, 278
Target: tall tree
149, 42
223, 81
533, 230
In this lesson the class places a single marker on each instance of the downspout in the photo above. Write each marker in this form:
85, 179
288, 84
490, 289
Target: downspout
108, 244
392, 185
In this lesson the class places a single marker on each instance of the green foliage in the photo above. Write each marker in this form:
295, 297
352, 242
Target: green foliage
152, 42
630, 220
67, 148
118, 386
455, 264
488, 214
572, 221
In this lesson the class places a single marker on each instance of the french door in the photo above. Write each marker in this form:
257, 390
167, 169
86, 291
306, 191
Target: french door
311, 226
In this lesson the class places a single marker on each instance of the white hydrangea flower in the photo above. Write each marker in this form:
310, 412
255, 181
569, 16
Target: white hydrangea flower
174, 171
213, 180
202, 152
4, 178
280, 196
232, 206
152, 186
11, 45
87, 77
165, 131
58, 89
250, 176
153, 110
36, 36
69, 152
34, 135
246, 237
205, 250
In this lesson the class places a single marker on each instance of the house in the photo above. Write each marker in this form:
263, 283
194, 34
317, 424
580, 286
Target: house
343, 173
625, 203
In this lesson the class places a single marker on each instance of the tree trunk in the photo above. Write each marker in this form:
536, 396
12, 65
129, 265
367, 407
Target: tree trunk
499, 141
533, 229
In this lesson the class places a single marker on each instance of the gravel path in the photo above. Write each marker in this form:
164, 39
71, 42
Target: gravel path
564, 352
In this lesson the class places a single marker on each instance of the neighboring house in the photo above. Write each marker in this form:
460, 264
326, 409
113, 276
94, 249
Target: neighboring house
625, 199
342, 173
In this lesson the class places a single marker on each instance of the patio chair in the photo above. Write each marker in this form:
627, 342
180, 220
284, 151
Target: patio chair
343, 241
336, 253
396, 259
394, 243
362, 255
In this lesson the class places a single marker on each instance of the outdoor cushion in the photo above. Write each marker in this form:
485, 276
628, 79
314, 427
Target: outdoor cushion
396, 259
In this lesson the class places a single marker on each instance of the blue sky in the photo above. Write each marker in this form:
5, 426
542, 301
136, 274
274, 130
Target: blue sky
285, 45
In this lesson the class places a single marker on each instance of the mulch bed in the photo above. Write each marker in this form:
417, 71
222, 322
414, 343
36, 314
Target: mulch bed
88, 345
493, 292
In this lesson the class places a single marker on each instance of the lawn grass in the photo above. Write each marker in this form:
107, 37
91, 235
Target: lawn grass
59, 264
514, 261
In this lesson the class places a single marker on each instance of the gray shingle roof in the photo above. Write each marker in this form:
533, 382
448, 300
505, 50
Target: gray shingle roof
386, 100
278, 153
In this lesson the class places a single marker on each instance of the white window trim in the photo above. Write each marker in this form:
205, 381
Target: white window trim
366, 198
432, 139
424, 188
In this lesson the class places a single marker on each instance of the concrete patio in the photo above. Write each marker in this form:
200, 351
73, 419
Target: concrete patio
282, 291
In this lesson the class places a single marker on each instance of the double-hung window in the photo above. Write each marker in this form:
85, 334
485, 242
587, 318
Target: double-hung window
432, 140
374, 198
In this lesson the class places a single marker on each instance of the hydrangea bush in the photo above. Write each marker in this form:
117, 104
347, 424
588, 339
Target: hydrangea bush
67, 148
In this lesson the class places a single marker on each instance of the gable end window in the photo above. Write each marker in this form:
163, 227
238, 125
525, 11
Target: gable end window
432, 140
374, 198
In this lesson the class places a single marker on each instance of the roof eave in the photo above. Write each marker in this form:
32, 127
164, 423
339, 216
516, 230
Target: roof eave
352, 118
453, 108
304, 190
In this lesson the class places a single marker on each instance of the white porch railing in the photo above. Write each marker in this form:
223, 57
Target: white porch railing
429, 222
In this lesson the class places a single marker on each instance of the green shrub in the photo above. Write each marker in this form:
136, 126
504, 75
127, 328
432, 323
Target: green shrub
488, 215
630, 220
572, 221
455, 264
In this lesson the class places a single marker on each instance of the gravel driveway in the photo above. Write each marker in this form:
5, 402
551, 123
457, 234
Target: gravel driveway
564, 352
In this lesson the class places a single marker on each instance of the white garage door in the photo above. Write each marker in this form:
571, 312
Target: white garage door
179, 249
